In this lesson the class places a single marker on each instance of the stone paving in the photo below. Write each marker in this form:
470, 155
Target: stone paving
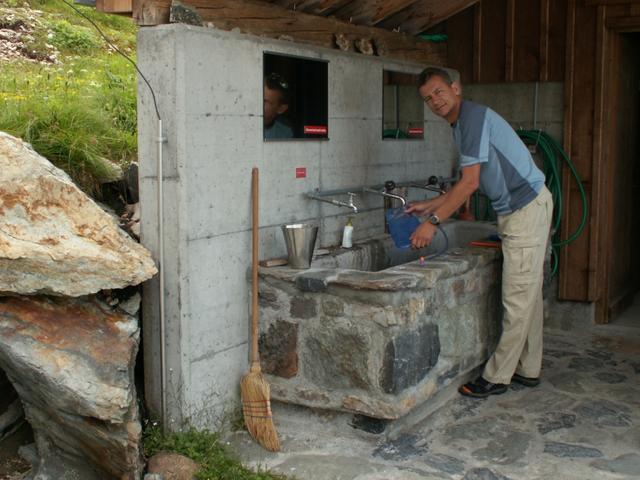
582, 422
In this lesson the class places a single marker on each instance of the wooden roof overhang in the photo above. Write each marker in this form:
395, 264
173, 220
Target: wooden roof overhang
388, 28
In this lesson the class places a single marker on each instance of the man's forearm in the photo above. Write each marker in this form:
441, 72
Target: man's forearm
458, 194
437, 202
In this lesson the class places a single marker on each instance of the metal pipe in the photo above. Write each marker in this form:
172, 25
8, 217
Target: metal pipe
345, 191
163, 360
431, 188
332, 201
386, 194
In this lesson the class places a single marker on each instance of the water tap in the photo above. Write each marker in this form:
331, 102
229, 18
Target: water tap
388, 187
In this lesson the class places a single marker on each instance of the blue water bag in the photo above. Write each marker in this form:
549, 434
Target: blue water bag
401, 226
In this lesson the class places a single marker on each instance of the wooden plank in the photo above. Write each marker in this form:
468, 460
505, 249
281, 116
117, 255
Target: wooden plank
597, 254
151, 12
424, 14
493, 41
608, 2
557, 40
314, 7
114, 6
624, 24
509, 42
260, 18
578, 126
477, 42
371, 12
527, 41
460, 31
544, 40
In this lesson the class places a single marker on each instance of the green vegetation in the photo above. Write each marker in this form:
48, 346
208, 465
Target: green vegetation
206, 450
69, 94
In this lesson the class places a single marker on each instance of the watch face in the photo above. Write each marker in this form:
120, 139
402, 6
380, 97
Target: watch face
434, 220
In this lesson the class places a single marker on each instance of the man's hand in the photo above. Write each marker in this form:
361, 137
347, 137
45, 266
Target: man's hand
423, 235
420, 208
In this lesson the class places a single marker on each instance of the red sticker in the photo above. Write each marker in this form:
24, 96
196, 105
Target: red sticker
416, 131
315, 129
301, 172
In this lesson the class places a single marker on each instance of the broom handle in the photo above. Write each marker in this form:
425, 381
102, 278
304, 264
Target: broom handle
254, 279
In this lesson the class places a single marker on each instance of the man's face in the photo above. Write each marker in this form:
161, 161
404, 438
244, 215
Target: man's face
441, 98
272, 106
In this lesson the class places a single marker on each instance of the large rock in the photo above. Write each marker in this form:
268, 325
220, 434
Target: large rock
53, 238
71, 362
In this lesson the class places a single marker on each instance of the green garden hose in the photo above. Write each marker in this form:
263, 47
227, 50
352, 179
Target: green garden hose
551, 153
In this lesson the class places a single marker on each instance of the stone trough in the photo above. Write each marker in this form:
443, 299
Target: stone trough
373, 330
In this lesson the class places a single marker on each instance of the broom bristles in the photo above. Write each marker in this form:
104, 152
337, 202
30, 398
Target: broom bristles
256, 408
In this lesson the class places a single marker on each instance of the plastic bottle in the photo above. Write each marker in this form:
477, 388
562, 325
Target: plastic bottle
347, 235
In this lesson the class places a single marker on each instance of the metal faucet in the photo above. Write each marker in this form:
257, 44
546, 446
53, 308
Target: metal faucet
388, 186
350, 204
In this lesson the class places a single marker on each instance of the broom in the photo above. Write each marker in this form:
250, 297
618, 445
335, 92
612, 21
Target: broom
254, 389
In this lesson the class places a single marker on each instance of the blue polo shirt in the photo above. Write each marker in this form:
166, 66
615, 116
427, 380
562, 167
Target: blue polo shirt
508, 175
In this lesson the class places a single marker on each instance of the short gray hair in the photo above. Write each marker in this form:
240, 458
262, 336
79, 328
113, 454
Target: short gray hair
429, 72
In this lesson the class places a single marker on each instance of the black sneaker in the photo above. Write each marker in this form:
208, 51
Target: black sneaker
527, 381
480, 388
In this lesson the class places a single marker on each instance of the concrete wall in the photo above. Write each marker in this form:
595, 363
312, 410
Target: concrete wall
516, 102
208, 86
209, 89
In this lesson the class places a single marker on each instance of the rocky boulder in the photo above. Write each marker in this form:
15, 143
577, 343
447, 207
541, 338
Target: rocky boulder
71, 362
53, 238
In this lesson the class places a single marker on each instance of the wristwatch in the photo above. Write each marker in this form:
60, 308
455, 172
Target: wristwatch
434, 219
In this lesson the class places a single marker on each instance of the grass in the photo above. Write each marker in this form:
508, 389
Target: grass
205, 448
80, 112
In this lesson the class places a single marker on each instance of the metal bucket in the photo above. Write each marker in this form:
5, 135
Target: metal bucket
300, 239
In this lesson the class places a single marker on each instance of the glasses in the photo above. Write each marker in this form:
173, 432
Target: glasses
277, 79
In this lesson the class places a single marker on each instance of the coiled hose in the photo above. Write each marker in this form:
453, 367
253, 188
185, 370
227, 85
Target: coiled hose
552, 153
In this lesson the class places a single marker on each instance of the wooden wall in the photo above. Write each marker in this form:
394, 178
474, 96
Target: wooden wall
508, 41
578, 42
594, 138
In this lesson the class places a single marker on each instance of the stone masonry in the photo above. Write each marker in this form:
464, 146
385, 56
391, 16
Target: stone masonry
378, 343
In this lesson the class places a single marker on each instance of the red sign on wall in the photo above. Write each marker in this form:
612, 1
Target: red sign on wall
416, 132
301, 172
315, 129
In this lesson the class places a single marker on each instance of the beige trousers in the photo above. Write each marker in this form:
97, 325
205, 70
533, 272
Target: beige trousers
524, 234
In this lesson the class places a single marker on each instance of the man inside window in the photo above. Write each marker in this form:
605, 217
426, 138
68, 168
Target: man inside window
276, 103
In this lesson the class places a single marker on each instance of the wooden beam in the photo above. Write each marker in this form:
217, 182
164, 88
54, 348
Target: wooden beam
597, 252
608, 2
268, 20
114, 6
371, 12
424, 14
314, 7
477, 43
509, 49
623, 24
567, 275
544, 40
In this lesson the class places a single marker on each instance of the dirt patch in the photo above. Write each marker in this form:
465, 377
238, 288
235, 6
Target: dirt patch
24, 36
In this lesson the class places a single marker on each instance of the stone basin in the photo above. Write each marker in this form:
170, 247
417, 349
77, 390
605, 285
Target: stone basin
373, 330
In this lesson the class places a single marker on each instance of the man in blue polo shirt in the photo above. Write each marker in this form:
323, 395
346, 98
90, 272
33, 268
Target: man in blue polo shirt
494, 159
